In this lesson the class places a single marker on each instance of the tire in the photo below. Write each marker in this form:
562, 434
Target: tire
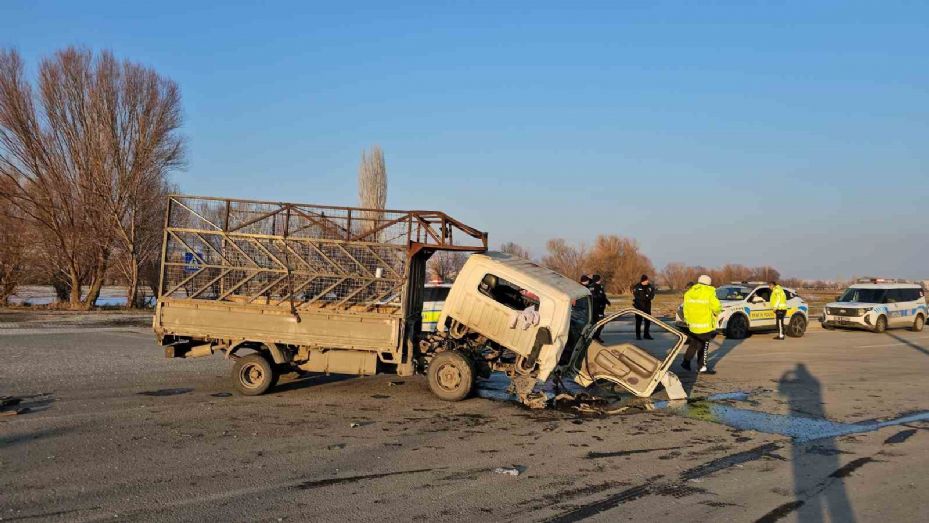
451, 376
918, 323
253, 375
797, 326
828, 327
737, 328
881, 324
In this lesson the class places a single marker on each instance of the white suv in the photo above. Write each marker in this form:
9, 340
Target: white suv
745, 309
877, 306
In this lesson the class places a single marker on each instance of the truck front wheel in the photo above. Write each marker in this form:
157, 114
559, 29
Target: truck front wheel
253, 374
451, 376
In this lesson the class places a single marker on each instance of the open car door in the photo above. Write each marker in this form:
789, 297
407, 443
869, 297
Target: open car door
638, 366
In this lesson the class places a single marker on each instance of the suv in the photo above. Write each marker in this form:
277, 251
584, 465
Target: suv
877, 306
745, 309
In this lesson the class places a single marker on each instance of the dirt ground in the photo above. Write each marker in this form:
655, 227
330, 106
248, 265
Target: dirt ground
114, 430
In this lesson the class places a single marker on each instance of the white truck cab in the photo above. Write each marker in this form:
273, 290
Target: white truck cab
878, 304
508, 314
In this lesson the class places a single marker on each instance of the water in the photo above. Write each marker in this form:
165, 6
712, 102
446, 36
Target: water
800, 429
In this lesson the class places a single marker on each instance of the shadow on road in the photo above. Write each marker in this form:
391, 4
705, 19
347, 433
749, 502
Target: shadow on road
302, 381
815, 498
908, 343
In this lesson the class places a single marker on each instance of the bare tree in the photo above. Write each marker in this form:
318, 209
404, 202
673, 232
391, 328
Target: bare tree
445, 265
372, 187
619, 261
13, 250
676, 275
82, 157
516, 250
565, 259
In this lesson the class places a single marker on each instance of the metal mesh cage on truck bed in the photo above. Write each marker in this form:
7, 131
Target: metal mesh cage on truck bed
297, 255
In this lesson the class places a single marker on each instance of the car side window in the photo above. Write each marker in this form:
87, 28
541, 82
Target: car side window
892, 296
507, 293
764, 294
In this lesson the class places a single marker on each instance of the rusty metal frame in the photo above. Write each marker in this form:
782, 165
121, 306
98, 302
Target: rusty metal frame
322, 249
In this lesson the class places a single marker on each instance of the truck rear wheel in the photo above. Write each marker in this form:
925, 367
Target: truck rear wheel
451, 376
253, 374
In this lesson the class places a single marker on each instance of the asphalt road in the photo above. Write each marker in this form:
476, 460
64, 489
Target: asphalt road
116, 431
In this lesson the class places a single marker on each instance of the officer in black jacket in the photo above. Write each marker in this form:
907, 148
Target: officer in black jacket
600, 301
642, 296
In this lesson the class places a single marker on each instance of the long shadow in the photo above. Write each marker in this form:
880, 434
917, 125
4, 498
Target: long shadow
909, 343
310, 379
726, 345
815, 497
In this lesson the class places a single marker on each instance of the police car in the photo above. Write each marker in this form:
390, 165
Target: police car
745, 309
434, 296
877, 305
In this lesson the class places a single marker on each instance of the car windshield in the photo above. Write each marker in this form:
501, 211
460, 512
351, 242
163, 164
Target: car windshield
863, 295
732, 292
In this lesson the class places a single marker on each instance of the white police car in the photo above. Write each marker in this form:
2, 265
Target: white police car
745, 309
877, 305
434, 296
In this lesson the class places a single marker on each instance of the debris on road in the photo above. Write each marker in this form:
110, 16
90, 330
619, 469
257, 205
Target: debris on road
509, 471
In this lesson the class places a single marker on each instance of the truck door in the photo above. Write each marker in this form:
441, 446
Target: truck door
637, 365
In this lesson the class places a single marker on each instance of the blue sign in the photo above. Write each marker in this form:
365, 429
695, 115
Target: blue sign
192, 261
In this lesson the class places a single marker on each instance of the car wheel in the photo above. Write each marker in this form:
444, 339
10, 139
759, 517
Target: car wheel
881, 324
737, 328
451, 376
918, 323
797, 326
253, 374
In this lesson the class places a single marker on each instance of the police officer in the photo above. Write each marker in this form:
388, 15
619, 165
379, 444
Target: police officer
701, 307
600, 301
642, 296
779, 304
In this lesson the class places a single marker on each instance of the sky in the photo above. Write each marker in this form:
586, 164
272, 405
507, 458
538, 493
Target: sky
794, 134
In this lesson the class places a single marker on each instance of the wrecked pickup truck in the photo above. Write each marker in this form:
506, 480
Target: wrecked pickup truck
282, 287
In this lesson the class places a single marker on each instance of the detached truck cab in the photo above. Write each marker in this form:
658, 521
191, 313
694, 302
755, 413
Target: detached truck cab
281, 287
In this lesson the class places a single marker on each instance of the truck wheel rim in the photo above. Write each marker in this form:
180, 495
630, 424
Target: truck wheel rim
449, 377
251, 375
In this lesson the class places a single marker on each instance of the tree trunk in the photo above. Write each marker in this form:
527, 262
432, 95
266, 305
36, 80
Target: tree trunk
74, 294
92, 293
132, 293
96, 284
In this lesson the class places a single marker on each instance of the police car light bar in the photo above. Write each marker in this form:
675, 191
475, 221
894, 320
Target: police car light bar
885, 280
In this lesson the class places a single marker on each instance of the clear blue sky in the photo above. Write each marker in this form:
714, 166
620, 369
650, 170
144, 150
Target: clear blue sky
789, 133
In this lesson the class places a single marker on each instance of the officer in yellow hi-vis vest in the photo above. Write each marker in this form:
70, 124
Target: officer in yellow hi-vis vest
779, 304
701, 308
